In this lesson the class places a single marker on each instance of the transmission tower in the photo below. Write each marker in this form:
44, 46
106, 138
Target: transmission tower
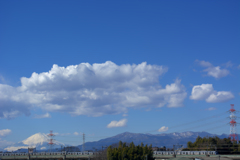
83, 145
50, 143
233, 131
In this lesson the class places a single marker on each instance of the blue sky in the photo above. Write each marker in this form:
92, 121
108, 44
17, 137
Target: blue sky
107, 67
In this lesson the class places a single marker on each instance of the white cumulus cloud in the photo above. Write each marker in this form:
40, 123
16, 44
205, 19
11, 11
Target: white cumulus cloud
120, 123
5, 132
207, 93
221, 96
92, 90
213, 71
163, 129
76, 133
47, 115
201, 92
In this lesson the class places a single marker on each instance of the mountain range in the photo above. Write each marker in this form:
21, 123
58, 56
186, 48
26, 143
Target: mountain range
40, 140
157, 140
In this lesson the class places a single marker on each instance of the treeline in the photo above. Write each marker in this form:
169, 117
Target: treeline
130, 152
222, 146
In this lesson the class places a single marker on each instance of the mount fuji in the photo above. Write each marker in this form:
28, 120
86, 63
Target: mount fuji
38, 140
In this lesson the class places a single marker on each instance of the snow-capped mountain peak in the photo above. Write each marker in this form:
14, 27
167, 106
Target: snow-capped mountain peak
36, 139
183, 134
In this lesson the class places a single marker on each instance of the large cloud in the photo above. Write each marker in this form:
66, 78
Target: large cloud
213, 71
163, 129
92, 90
206, 92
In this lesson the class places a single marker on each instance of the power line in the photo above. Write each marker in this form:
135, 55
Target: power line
172, 127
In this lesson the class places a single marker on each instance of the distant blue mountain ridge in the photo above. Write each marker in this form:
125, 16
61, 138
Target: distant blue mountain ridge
157, 140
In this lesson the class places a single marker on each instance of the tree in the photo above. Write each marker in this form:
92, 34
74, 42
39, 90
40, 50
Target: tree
189, 144
222, 146
131, 152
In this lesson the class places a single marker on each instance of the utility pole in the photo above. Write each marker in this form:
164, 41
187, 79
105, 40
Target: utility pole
207, 143
83, 145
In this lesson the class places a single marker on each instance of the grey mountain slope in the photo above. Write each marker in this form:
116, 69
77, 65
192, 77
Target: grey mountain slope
158, 140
